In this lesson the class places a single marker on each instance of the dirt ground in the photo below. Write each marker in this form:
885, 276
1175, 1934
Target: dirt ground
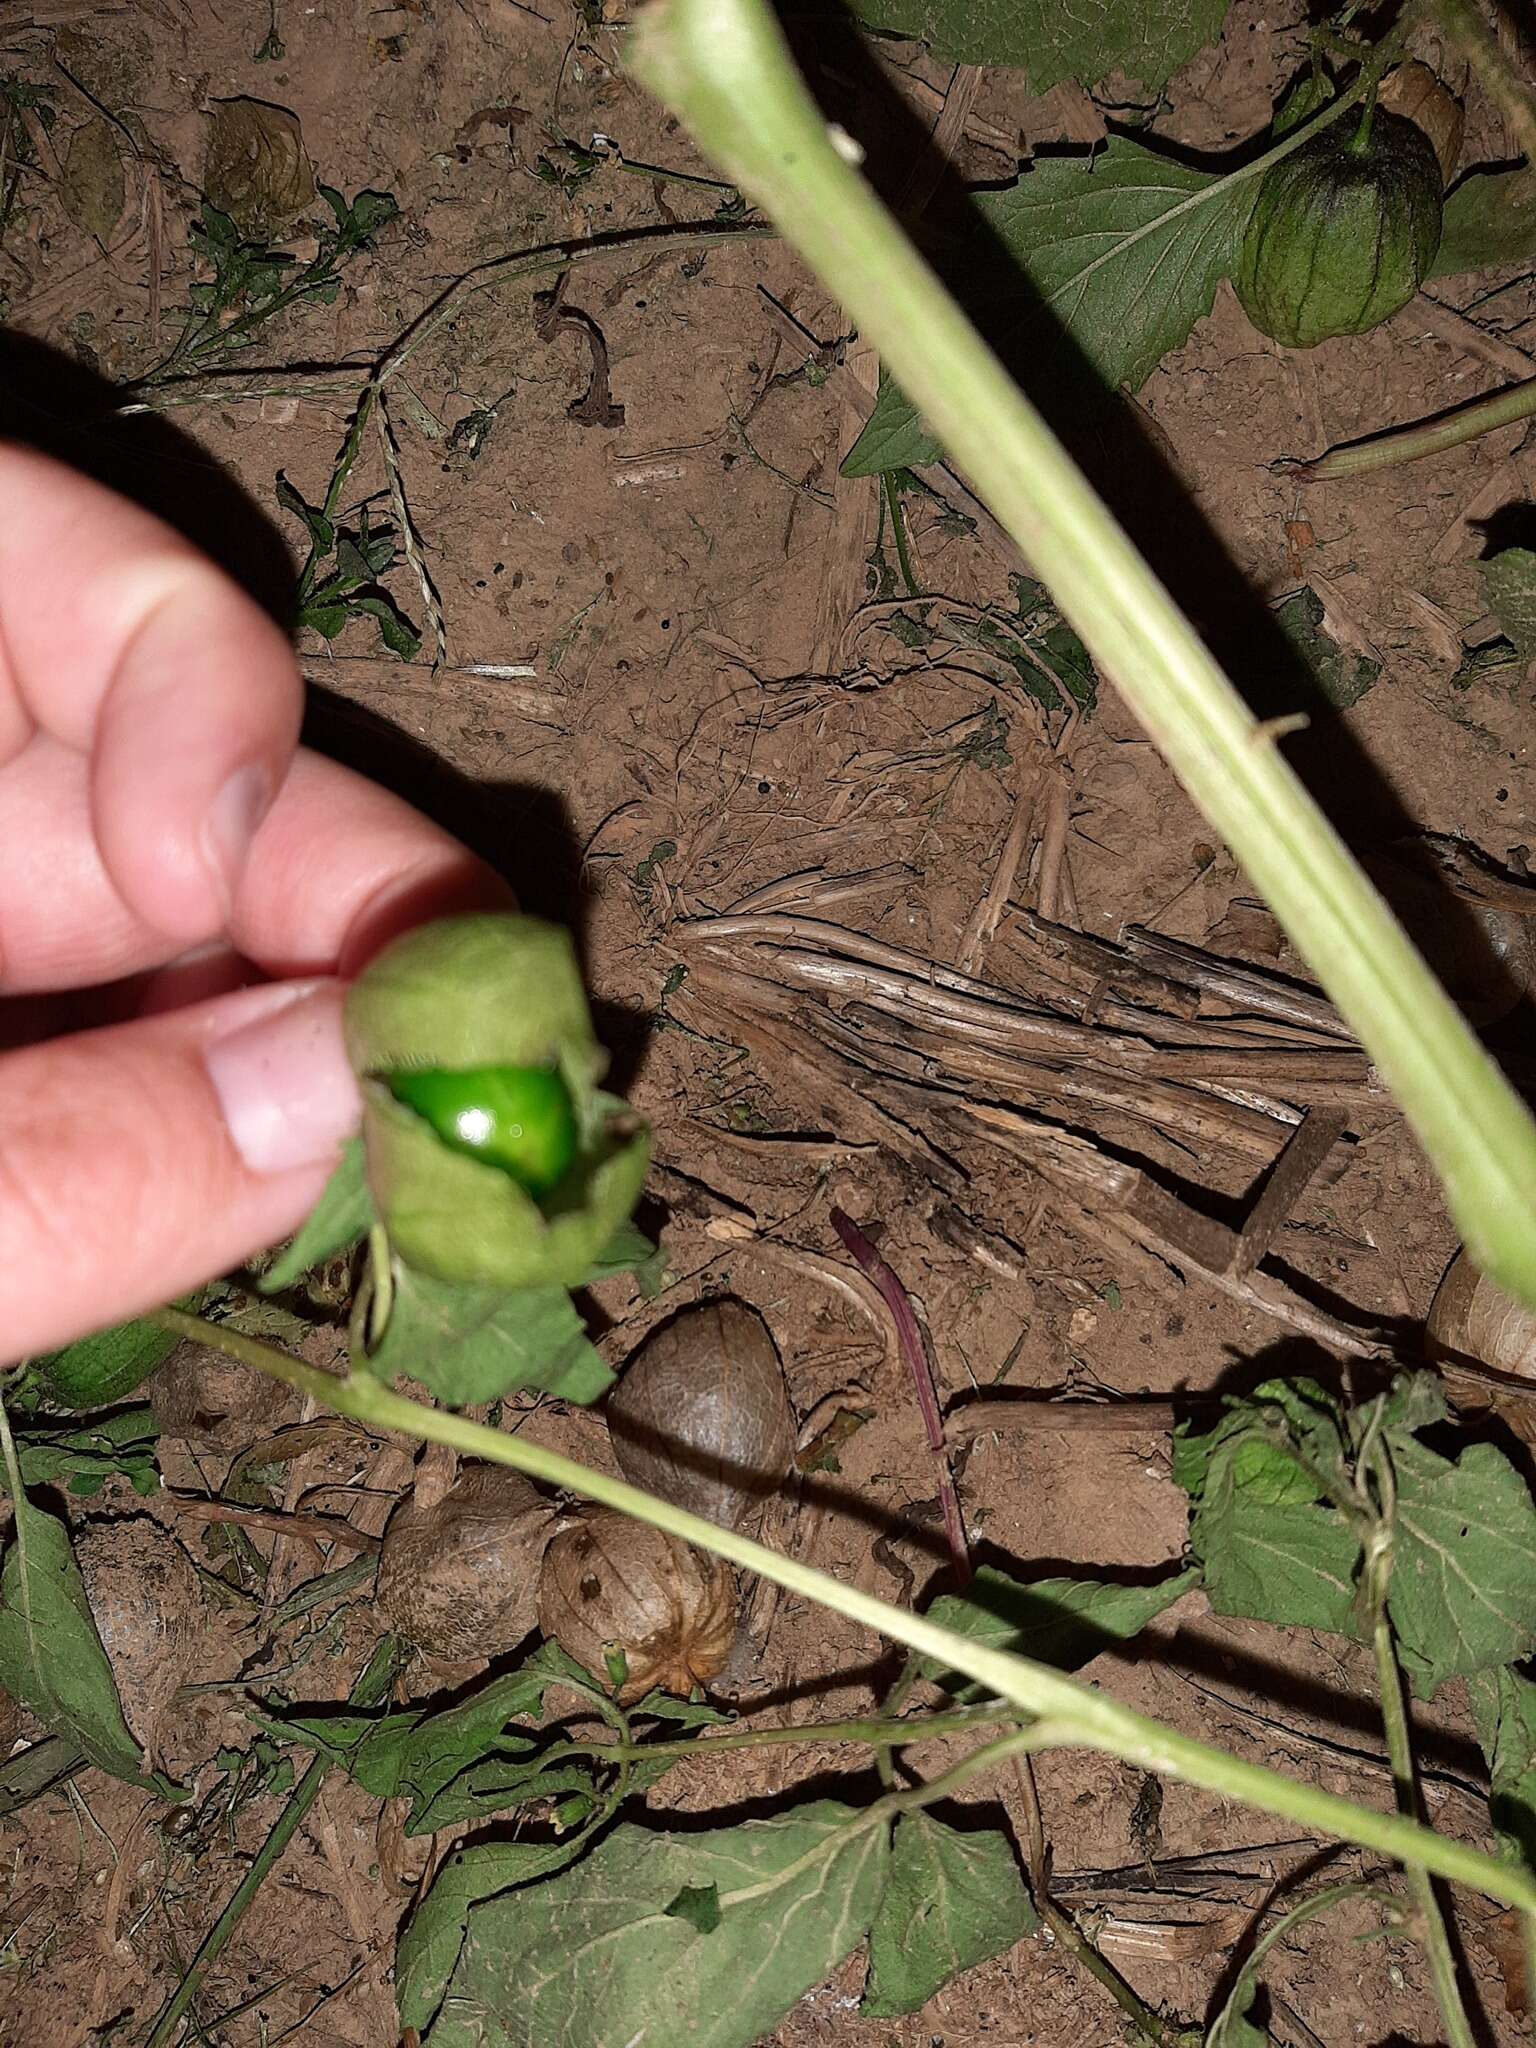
668, 685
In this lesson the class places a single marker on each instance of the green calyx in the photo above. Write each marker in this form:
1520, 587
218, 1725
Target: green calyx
1343, 231
492, 1155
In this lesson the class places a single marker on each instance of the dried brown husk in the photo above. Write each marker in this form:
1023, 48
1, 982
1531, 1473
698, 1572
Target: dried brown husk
150, 1611
1471, 1319
460, 1578
611, 1584
1414, 91
203, 1393
10, 1723
701, 1415
257, 169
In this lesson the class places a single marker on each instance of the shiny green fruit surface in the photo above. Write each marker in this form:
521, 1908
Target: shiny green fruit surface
520, 1119
1343, 231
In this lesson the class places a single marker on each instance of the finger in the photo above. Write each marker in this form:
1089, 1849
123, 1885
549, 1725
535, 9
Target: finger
337, 865
136, 1161
127, 647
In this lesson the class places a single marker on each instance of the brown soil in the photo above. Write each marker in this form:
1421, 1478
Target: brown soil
698, 714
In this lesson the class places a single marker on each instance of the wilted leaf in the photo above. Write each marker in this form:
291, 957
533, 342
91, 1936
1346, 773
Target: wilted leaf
471, 1344
1509, 578
257, 169
83, 1459
1063, 1622
92, 192
50, 1654
1087, 41
795, 1895
951, 1901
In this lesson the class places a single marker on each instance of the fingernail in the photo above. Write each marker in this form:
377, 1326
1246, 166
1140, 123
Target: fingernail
284, 1083
231, 825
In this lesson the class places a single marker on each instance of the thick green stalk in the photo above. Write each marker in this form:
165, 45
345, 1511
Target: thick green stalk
724, 68
1072, 1715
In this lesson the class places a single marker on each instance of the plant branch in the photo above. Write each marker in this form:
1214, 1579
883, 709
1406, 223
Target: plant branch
371, 1687
1079, 1715
878, 1734
723, 66
1426, 437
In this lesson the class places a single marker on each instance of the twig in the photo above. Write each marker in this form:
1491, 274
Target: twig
1305, 1150
1494, 71
988, 913
1471, 338
371, 1687
313, 1529
915, 1351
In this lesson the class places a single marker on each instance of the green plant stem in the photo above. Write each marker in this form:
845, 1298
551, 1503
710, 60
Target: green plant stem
1104, 1973
1242, 1990
1499, 81
371, 1687
723, 66
1426, 437
899, 531
1079, 1716
1432, 1931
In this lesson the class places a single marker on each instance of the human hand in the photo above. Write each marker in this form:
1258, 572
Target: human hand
162, 835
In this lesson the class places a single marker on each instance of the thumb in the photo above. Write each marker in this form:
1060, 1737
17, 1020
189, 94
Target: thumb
137, 1161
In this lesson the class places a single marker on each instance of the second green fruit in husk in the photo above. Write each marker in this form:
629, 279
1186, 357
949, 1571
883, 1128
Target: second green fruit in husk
1343, 231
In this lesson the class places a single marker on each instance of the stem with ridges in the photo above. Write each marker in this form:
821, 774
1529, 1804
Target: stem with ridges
1081, 1717
723, 66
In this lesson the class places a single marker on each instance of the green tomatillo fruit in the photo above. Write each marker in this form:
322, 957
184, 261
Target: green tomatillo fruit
1343, 230
521, 1119
492, 1155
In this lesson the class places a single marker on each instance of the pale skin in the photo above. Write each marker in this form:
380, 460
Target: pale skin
183, 892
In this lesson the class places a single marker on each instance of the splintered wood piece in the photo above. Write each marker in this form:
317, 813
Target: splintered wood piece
1314, 1138
1243, 987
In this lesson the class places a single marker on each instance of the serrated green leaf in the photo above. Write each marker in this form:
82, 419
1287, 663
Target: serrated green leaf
951, 1901
427, 1952
795, 1893
1282, 1559
1462, 1595
1124, 253
470, 1344
51, 1657
328, 620
352, 566
1148, 41
343, 1215
1489, 219
1504, 1715
395, 630
1509, 578
1062, 1622
629, 1250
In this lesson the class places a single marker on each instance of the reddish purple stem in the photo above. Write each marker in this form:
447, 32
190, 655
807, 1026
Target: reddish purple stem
914, 1347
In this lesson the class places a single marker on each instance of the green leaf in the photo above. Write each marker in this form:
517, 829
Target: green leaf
795, 1894
1087, 41
1062, 1622
1462, 1596
83, 1459
395, 630
1504, 1714
343, 1215
1509, 578
1234, 2027
629, 1250
1268, 1548
427, 1952
464, 1762
108, 1365
470, 1344
1489, 219
319, 528
50, 1654
951, 1901
699, 1905
1338, 675
1124, 253
893, 437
